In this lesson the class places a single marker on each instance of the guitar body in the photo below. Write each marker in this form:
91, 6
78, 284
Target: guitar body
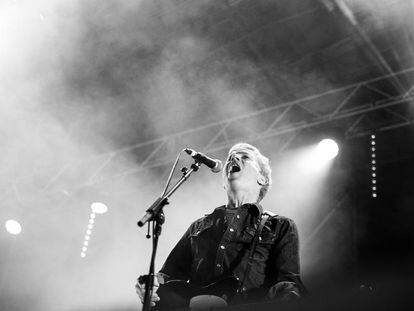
176, 294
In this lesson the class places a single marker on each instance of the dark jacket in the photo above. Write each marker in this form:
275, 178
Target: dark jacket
214, 247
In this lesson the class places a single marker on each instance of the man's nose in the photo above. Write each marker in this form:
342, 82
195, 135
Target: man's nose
235, 157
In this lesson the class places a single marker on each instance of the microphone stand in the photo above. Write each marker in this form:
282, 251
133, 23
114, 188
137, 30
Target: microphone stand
155, 215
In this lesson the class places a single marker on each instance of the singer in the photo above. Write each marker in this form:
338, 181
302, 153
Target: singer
238, 253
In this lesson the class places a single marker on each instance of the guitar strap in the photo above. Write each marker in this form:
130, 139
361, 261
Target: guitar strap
256, 238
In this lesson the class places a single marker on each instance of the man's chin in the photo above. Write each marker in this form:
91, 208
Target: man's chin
233, 183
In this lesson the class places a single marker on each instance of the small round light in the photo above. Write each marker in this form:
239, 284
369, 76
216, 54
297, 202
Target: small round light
374, 188
88, 232
374, 195
13, 227
373, 161
93, 215
90, 226
373, 136
372, 142
87, 237
99, 208
374, 168
374, 175
373, 155
85, 243
374, 181
373, 148
91, 221
84, 249
83, 255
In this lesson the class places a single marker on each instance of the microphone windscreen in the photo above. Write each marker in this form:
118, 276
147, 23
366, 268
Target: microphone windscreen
218, 168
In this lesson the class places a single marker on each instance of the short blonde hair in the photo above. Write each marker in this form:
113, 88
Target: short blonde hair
264, 165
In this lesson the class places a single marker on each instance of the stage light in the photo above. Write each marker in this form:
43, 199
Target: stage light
373, 166
99, 208
328, 149
13, 227
318, 158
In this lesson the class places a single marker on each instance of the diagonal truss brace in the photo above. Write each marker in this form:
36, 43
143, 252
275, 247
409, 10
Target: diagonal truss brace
223, 137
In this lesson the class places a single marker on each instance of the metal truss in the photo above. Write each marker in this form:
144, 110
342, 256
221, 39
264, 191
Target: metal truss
341, 106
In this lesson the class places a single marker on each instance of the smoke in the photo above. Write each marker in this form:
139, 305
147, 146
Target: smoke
382, 14
82, 78
78, 79
393, 17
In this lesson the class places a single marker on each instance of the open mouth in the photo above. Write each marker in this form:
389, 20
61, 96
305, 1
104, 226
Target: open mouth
233, 168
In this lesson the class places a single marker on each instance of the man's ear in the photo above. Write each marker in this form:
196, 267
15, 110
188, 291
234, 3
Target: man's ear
261, 181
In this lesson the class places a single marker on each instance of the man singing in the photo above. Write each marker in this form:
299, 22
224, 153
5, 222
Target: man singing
220, 244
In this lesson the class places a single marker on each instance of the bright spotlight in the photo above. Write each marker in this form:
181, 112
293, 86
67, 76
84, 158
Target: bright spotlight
99, 208
328, 149
13, 227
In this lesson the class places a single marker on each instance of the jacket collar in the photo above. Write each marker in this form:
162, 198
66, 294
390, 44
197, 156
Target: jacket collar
254, 209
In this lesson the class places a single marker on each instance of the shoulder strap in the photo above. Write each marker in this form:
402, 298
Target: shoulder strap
255, 239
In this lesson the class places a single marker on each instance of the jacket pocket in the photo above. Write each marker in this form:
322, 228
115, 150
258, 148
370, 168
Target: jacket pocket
200, 227
266, 236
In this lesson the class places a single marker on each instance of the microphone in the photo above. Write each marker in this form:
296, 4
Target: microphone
214, 164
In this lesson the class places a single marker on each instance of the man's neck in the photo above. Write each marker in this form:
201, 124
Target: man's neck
238, 199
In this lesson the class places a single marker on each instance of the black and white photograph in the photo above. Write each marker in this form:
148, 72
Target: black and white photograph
195, 155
